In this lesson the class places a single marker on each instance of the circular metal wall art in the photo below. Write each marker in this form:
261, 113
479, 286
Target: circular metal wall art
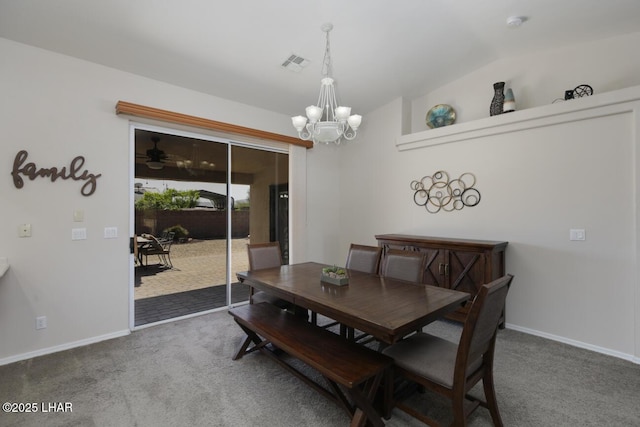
439, 192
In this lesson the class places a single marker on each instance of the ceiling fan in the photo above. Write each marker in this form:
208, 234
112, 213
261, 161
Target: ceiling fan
155, 156
157, 159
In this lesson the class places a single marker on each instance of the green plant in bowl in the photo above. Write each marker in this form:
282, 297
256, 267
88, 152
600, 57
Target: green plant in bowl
335, 272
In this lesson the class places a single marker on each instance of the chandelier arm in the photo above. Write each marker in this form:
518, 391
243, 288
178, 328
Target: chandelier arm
305, 136
349, 133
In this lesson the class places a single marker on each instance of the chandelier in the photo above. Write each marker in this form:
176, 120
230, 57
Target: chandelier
327, 122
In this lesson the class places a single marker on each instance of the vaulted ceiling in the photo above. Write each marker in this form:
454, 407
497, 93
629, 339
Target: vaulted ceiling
380, 49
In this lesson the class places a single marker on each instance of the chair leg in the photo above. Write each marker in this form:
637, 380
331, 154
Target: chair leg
490, 396
459, 419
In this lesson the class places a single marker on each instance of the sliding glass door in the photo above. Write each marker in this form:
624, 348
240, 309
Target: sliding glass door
263, 216
203, 200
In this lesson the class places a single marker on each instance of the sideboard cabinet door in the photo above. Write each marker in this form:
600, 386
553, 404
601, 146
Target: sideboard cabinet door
460, 264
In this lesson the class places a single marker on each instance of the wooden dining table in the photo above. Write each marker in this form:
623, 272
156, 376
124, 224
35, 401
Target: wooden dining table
385, 308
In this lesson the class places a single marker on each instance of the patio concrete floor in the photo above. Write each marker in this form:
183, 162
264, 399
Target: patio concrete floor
196, 264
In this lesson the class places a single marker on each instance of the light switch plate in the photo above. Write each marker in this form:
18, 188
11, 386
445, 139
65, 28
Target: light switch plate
78, 215
110, 232
78, 234
577, 234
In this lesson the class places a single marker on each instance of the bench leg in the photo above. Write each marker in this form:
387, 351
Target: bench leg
251, 337
363, 399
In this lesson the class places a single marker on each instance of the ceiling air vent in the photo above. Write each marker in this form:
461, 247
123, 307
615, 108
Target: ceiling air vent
295, 63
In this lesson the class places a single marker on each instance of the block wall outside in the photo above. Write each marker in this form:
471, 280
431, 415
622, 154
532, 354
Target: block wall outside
201, 223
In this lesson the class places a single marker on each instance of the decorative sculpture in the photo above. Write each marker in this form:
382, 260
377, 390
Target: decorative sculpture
438, 192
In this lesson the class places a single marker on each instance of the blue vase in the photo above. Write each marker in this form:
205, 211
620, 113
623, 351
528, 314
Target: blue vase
509, 104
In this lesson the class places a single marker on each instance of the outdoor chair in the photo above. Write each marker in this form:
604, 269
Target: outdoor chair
155, 247
267, 255
450, 369
136, 255
167, 237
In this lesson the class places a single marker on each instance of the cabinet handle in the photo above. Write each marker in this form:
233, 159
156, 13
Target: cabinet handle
443, 269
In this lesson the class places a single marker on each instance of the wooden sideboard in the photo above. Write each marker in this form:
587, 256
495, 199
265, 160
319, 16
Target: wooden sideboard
460, 264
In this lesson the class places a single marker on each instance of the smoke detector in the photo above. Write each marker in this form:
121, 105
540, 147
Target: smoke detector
515, 21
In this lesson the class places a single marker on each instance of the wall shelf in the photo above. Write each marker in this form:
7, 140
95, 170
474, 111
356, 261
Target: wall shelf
604, 104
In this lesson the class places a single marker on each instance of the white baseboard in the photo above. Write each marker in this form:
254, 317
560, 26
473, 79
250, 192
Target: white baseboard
67, 346
579, 344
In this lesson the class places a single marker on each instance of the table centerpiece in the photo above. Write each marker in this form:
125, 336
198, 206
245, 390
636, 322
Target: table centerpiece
335, 275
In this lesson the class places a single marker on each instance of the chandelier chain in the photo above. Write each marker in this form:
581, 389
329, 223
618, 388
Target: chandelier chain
327, 70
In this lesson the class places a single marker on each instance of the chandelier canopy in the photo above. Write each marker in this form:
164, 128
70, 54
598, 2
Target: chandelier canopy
327, 121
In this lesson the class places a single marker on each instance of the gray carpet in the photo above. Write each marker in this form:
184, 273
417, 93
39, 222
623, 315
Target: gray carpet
181, 374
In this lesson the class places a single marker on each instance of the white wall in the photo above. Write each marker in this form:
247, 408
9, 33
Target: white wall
57, 108
538, 79
534, 189
535, 185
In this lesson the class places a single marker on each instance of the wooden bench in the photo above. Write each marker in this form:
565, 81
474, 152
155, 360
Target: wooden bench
351, 370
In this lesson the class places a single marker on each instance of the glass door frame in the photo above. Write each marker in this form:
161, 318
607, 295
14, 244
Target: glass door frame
196, 135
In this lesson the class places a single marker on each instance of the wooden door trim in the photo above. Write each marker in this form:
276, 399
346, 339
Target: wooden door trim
136, 110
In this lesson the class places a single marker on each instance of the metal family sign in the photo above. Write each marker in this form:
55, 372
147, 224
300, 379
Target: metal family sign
31, 171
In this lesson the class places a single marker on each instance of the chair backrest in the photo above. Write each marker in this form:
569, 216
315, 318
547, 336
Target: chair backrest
364, 258
154, 242
264, 255
404, 265
166, 244
479, 331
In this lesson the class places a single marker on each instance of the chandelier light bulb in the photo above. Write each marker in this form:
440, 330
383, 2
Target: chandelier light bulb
299, 122
342, 113
354, 121
314, 113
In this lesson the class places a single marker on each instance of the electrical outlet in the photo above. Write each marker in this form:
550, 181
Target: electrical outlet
24, 230
41, 322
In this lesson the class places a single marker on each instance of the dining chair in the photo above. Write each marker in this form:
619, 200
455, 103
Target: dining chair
268, 255
451, 369
364, 258
404, 265
397, 264
359, 258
